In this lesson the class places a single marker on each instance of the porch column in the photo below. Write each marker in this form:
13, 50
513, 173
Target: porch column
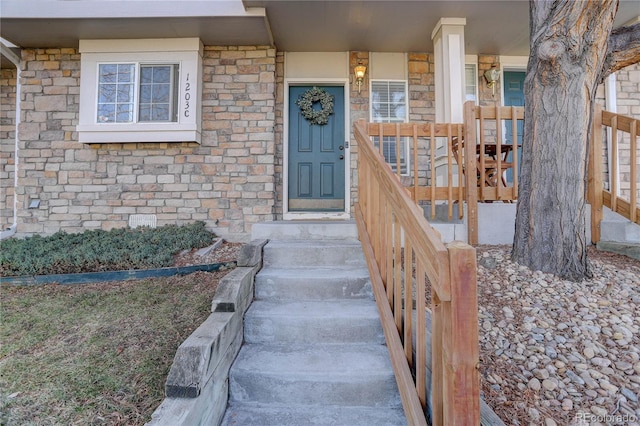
448, 42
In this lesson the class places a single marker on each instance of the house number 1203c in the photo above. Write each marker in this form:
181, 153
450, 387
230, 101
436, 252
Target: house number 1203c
187, 97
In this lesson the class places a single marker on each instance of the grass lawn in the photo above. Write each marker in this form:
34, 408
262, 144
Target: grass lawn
94, 354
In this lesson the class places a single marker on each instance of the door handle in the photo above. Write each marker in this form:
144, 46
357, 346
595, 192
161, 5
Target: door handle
341, 147
341, 157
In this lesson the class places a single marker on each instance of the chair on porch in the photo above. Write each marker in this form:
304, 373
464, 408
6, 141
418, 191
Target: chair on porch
486, 162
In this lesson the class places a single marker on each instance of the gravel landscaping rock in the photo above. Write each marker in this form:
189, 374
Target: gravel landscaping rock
559, 352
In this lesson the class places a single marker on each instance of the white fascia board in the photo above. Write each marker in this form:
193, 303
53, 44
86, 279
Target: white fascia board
164, 45
52, 9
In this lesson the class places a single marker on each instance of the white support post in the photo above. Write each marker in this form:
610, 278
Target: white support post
449, 59
448, 41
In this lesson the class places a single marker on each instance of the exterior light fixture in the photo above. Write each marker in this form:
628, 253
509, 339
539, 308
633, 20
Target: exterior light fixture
359, 71
492, 76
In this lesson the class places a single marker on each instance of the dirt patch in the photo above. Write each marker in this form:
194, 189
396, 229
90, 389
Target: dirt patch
226, 252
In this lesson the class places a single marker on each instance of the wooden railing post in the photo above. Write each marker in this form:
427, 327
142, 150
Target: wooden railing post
471, 172
462, 406
595, 175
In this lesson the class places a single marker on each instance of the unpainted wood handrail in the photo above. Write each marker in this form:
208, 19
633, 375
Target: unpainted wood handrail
405, 254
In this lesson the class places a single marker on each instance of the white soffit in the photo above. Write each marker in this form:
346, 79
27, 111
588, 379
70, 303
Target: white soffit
388, 66
311, 65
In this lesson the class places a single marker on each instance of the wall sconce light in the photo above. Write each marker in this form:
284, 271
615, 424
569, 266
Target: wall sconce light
359, 71
492, 76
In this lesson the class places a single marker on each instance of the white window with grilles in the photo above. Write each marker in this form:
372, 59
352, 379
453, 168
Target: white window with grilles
141, 90
389, 105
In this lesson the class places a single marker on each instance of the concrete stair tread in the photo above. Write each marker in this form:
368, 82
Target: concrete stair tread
345, 375
310, 230
319, 361
313, 283
319, 272
318, 244
313, 322
313, 253
251, 414
318, 310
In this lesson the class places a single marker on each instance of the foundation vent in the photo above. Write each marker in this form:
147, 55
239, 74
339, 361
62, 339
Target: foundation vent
136, 220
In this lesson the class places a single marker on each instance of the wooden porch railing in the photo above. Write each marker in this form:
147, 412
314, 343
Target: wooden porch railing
622, 132
438, 152
405, 254
472, 154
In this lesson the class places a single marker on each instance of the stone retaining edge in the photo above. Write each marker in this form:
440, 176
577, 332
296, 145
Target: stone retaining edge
197, 387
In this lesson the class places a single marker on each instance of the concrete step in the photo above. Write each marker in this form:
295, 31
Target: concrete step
344, 375
615, 228
314, 350
313, 284
243, 414
352, 321
305, 230
305, 254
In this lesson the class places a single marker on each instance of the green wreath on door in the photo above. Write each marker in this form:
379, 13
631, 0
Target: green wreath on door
306, 101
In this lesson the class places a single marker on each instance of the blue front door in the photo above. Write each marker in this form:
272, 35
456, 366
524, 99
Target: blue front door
316, 156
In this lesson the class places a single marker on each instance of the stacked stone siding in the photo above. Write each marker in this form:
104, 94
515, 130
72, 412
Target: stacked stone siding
7, 144
226, 181
422, 108
359, 109
232, 180
279, 135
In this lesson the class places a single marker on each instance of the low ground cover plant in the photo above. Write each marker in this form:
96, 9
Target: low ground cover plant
97, 250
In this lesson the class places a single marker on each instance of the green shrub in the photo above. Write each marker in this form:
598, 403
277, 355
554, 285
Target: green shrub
90, 251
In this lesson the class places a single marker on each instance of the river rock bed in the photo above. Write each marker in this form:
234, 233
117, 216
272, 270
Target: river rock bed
556, 352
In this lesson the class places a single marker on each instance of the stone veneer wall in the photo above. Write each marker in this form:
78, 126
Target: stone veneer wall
7, 144
422, 104
227, 181
359, 110
279, 135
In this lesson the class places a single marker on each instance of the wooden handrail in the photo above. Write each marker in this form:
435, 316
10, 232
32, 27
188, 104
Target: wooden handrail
404, 254
623, 137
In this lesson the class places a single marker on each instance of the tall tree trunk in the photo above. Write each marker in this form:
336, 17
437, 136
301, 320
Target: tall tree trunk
568, 48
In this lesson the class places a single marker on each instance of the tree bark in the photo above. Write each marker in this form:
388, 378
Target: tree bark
569, 41
624, 50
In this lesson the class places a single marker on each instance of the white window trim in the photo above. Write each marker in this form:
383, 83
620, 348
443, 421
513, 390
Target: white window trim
405, 119
472, 60
186, 52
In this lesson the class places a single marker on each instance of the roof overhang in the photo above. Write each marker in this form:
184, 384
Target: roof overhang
495, 27
62, 23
